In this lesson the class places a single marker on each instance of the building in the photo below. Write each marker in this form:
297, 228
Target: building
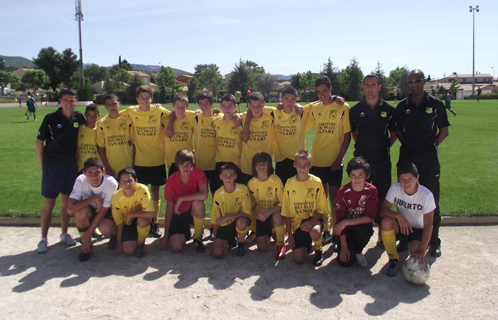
484, 81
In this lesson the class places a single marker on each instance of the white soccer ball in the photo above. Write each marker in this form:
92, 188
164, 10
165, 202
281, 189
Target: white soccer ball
414, 273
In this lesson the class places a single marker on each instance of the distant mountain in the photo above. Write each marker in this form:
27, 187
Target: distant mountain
18, 62
282, 77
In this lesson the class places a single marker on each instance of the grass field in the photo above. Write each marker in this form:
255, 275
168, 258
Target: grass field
468, 159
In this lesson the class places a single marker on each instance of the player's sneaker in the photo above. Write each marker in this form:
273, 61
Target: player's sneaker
140, 250
154, 231
211, 234
280, 252
42, 246
113, 242
360, 259
435, 250
66, 238
318, 259
251, 237
199, 247
241, 250
96, 234
335, 243
85, 256
392, 267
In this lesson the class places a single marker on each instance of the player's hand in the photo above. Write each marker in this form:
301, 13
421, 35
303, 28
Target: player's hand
306, 226
404, 227
197, 111
345, 254
263, 216
245, 134
280, 106
169, 131
298, 109
340, 100
420, 258
177, 205
219, 221
129, 219
85, 245
117, 252
216, 111
336, 165
290, 239
237, 120
339, 227
164, 242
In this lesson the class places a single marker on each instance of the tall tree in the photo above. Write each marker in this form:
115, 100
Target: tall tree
266, 82
455, 85
49, 60
125, 65
241, 79
166, 78
199, 69
131, 90
35, 79
193, 84
295, 81
398, 79
307, 80
330, 71
354, 78
95, 72
211, 80
6, 78
69, 64
2, 64
385, 89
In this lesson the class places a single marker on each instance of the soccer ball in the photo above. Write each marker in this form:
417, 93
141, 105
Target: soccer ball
414, 273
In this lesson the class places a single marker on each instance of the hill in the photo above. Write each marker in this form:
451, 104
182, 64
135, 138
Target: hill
281, 77
18, 62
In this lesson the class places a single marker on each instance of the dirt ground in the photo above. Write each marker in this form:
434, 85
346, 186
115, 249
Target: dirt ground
188, 285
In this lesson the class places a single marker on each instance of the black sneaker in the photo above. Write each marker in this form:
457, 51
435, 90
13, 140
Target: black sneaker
84, 256
435, 250
154, 231
392, 267
318, 259
335, 244
113, 242
234, 243
199, 246
140, 250
402, 246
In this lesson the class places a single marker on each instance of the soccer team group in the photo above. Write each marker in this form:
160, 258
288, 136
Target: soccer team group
233, 154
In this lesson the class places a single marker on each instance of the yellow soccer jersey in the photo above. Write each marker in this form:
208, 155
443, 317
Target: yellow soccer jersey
182, 139
261, 139
122, 205
113, 135
332, 122
204, 139
265, 194
303, 199
87, 146
228, 204
228, 143
148, 134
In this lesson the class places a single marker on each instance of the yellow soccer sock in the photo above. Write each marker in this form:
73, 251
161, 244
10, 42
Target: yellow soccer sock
142, 234
280, 232
82, 233
198, 227
389, 240
318, 243
157, 205
242, 234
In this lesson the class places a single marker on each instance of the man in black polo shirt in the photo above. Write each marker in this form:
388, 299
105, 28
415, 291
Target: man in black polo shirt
374, 126
423, 125
56, 150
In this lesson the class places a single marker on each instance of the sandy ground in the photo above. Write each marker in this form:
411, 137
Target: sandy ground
165, 285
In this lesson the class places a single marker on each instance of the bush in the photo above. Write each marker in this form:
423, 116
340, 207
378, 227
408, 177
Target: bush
100, 98
85, 93
485, 96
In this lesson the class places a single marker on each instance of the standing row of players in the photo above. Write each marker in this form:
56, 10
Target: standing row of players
374, 123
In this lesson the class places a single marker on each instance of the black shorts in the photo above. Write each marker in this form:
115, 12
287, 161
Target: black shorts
332, 178
130, 231
58, 179
180, 224
416, 235
211, 176
285, 169
227, 233
155, 176
303, 239
172, 169
263, 228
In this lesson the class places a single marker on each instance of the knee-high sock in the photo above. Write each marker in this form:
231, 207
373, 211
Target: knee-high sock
318, 243
82, 231
280, 232
142, 234
157, 205
242, 234
389, 239
198, 227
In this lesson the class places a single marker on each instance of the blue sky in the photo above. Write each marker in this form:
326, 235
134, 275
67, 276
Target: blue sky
285, 37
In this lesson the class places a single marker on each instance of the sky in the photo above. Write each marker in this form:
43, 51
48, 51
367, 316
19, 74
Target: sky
285, 37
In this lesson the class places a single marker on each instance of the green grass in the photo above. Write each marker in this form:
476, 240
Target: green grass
468, 160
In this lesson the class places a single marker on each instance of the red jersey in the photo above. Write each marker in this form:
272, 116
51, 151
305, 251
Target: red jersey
174, 188
351, 204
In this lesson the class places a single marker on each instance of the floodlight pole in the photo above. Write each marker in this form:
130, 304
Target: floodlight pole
79, 17
473, 10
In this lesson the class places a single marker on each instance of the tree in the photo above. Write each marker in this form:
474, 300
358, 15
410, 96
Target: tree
6, 78
295, 81
125, 65
354, 78
266, 82
330, 71
131, 90
384, 91
198, 69
242, 79
69, 63
193, 84
166, 78
254, 67
211, 80
35, 79
307, 80
398, 78
49, 60
454, 85
2, 64
122, 76
95, 73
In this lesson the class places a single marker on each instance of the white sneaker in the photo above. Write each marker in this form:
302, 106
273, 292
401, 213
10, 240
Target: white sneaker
360, 259
42, 246
66, 238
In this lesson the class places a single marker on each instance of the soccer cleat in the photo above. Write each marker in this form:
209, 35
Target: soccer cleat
392, 267
318, 259
360, 259
66, 238
140, 250
154, 231
85, 256
42, 246
96, 234
435, 250
251, 237
402, 246
280, 252
241, 250
199, 246
113, 242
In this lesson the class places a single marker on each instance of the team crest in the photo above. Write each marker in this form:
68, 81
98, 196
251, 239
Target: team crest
75, 124
136, 204
428, 110
363, 201
184, 126
293, 119
233, 131
269, 192
238, 202
333, 114
152, 119
265, 124
383, 114
122, 127
311, 193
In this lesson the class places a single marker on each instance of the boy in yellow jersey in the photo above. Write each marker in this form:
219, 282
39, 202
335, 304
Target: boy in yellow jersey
228, 144
305, 208
261, 138
114, 138
332, 138
132, 210
87, 145
231, 213
182, 137
148, 137
266, 192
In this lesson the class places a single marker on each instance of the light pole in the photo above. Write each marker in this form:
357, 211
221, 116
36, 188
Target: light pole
473, 10
79, 17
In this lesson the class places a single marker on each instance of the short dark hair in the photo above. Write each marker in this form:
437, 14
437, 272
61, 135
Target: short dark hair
127, 170
229, 166
205, 95
416, 71
111, 96
180, 96
144, 88
323, 80
407, 167
372, 76
358, 163
92, 107
256, 96
93, 162
262, 157
290, 90
183, 156
69, 92
229, 98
